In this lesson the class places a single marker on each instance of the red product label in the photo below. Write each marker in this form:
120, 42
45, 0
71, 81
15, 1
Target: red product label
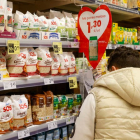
23, 106
7, 108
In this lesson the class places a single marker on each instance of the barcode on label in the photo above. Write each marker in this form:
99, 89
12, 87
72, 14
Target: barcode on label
11, 48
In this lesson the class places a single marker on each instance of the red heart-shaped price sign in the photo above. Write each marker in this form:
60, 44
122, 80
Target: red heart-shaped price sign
94, 29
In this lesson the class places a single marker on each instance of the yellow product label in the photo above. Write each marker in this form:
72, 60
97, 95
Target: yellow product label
121, 34
13, 46
104, 55
57, 47
72, 82
113, 33
138, 2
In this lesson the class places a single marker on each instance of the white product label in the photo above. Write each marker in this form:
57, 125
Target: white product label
48, 81
9, 85
49, 117
70, 120
50, 36
74, 44
52, 125
23, 133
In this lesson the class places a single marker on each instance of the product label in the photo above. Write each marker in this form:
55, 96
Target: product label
49, 101
41, 102
1, 20
49, 117
9, 21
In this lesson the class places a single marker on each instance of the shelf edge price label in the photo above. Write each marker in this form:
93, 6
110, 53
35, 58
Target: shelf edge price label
57, 47
9, 85
48, 81
72, 82
24, 133
74, 44
70, 120
52, 125
13, 46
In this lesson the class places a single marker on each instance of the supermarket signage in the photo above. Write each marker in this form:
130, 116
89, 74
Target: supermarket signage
72, 82
13, 46
94, 29
69, 120
57, 47
9, 85
48, 81
52, 125
23, 133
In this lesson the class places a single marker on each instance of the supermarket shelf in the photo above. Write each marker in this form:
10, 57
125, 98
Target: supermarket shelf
35, 129
36, 81
114, 46
39, 43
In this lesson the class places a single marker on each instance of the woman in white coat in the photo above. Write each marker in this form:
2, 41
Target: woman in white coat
112, 109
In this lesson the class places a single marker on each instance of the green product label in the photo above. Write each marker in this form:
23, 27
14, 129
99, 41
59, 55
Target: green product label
71, 33
62, 31
39, 58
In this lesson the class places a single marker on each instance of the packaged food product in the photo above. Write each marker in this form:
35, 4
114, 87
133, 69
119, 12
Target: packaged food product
64, 133
16, 63
3, 7
55, 64
9, 20
53, 24
56, 113
70, 26
3, 68
40, 13
123, 3
70, 128
49, 135
64, 63
6, 115
33, 21
72, 66
77, 103
31, 62
120, 38
134, 36
56, 134
70, 104
61, 23
129, 35
21, 21
138, 33
43, 23
125, 36
47, 14
44, 61
75, 16
49, 106
38, 108
29, 111
41, 136
20, 106
62, 106
113, 33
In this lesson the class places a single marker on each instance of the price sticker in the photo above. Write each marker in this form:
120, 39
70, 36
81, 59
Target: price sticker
52, 125
9, 85
70, 120
74, 44
48, 81
24, 133
72, 82
13, 46
57, 47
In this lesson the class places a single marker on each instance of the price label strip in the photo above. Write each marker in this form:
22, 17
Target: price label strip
57, 47
9, 85
24, 133
48, 81
72, 82
13, 46
70, 120
52, 125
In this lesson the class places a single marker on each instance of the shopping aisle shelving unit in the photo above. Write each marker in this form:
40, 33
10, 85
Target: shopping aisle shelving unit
35, 129
36, 81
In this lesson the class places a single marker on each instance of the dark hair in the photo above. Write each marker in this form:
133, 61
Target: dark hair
123, 57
